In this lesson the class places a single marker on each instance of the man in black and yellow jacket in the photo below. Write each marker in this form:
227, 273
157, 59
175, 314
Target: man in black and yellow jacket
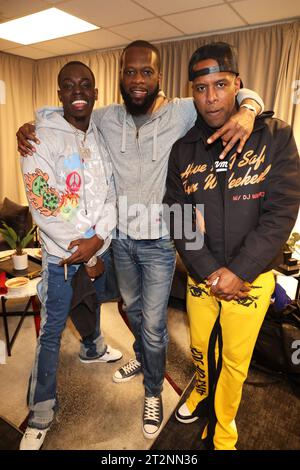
250, 205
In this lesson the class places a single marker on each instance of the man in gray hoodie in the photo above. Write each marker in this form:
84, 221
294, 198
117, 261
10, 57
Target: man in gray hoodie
139, 136
71, 195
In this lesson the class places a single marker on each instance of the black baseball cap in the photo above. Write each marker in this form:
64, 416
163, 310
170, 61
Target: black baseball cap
222, 52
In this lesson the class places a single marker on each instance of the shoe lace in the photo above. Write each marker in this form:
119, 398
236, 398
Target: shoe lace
131, 366
35, 433
151, 409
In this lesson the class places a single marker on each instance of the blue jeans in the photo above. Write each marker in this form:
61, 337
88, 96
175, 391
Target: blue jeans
55, 295
145, 271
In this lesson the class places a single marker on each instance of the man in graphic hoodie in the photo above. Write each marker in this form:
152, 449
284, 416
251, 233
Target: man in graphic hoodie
139, 136
70, 190
250, 203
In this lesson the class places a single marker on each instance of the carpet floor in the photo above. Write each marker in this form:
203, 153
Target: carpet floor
268, 419
97, 414
94, 412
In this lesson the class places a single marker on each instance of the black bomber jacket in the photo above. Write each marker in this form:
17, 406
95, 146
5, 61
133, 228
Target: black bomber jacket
247, 223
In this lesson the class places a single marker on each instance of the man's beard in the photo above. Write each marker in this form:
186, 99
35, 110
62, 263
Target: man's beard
139, 109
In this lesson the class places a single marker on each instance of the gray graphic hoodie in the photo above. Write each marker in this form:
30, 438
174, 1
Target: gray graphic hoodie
69, 184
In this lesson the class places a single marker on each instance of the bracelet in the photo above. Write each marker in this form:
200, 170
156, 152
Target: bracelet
249, 106
91, 262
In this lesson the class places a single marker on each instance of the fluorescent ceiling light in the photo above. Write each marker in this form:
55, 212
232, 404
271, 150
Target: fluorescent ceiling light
42, 26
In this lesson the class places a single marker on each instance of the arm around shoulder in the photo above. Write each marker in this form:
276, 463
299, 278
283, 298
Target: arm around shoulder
279, 207
98, 115
245, 95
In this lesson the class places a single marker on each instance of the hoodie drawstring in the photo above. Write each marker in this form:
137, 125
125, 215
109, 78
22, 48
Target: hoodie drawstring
104, 158
80, 146
123, 147
154, 151
155, 131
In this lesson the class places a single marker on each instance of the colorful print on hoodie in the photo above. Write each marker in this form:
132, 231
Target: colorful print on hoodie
69, 184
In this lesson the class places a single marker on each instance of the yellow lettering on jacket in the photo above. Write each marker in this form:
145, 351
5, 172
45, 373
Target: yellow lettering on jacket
192, 169
190, 188
248, 178
210, 182
232, 160
249, 158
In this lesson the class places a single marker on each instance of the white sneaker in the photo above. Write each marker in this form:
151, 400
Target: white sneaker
111, 355
153, 417
33, 438
127, 372
184, 415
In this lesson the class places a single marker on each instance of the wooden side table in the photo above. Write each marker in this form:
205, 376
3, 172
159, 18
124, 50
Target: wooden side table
29, 291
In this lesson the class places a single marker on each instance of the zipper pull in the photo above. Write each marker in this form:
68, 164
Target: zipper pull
137, 133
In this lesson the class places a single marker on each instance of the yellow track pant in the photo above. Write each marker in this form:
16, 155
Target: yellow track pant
223, 336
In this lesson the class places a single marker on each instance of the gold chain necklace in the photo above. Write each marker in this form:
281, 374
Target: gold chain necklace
84, 152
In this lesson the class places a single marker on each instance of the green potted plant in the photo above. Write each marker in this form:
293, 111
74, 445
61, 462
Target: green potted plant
17, 243
294, 243
291, 247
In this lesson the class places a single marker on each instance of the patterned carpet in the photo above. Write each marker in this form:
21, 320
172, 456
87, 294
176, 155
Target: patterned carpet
268, 419
95, 413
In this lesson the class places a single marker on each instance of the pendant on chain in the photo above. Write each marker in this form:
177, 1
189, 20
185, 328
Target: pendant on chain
85, 153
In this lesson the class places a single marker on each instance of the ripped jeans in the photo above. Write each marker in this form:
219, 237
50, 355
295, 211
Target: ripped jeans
145, 271
55, 295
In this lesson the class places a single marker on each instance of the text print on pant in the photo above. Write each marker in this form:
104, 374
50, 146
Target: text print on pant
296, 354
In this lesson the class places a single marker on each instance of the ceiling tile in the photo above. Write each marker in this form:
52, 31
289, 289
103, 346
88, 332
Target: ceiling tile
106, 13
166, 7
16, 8
54, 1
204, 20
99, 39
31, 52
148, 30
256, 11
61, 46
6, 45
128, 20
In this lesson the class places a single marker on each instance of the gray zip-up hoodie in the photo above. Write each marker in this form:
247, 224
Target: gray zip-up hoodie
140, 159
69, 184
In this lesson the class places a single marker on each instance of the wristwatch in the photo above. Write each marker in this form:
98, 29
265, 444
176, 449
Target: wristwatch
249, 106
91, 262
